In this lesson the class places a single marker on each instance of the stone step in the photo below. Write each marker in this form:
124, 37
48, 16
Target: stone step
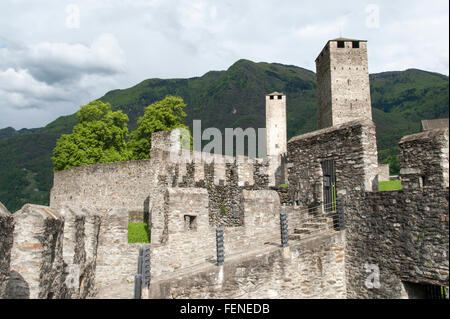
310, 230
295, 237
302, 231
306, 230
313, 225
306, 234
315, 219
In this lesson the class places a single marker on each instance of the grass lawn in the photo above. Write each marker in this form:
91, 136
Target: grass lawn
138, 233
389, 186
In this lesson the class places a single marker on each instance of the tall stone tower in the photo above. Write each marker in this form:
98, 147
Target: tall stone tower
276, 124
343, 82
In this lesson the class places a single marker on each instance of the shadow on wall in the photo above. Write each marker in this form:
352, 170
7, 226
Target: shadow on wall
147, 217
424, 291
17, 287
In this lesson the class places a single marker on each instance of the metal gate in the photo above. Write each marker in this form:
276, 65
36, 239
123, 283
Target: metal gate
329, 185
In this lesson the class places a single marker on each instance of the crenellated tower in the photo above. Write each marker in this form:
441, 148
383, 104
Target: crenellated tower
343, 82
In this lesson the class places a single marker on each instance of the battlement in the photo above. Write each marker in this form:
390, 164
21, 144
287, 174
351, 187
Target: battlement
139, 186
424, 159
343, 82
182, 235
78, 246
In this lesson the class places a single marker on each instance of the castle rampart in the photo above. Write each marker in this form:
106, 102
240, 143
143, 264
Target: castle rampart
312, 269
348, 145
424, 159
374, 245
404, 233
37, 266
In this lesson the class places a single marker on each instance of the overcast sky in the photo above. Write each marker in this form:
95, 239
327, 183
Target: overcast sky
58, 55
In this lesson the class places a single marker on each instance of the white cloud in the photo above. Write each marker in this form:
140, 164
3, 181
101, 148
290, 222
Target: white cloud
56, 77
20, 82
56, 62
322, 30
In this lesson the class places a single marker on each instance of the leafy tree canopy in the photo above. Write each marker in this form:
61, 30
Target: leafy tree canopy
163, 115
99, 137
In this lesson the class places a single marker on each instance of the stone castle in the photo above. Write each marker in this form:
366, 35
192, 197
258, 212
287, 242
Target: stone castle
345, 238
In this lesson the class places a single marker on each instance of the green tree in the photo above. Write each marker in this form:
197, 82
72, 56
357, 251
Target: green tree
163, 115
394, 165
99, 137
389, 156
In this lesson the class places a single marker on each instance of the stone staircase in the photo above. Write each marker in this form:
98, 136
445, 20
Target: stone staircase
312, 226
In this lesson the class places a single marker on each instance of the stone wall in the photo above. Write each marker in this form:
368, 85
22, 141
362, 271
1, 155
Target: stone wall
309, 269
137, 190
424, 159
103, 186
406, 235
6, 241
166, 140
183, 236
66, 254
353, 148
189, 238
116, 260
100, 263
225, 199
261, 223
81, 233
131, 185
383, 172
137, 217
428, 125
37, 266
135, 185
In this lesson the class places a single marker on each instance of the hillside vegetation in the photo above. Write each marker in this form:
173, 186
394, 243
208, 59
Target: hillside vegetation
231, 98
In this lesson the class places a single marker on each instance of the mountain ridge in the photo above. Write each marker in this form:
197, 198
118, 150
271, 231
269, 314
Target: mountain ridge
228, 98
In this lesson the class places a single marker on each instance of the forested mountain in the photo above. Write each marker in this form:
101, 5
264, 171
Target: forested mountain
231, 98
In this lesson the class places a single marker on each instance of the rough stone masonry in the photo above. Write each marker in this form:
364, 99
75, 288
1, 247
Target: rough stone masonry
392, 241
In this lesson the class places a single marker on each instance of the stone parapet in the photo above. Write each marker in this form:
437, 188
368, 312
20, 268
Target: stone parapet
37, 268
424, 159
6, 241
